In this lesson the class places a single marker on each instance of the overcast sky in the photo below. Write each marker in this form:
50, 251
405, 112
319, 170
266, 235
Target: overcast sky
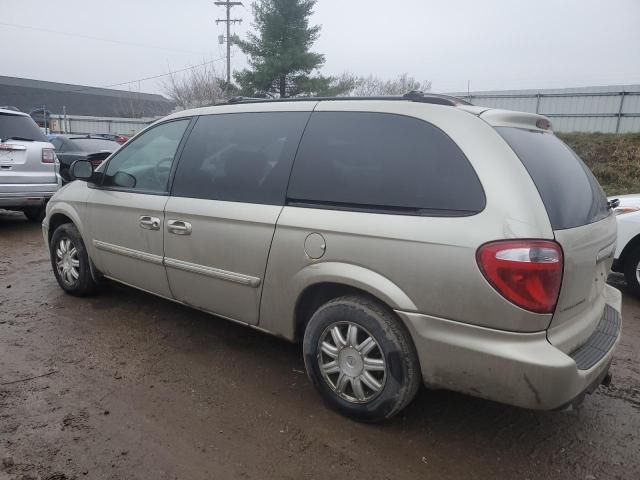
496, 44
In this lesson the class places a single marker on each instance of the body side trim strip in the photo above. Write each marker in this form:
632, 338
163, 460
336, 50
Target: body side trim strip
213, 272
128, 252
180, 264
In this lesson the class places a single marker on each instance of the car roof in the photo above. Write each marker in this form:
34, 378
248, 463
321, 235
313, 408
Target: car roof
6, 111
494, 117
80, 136
306, 104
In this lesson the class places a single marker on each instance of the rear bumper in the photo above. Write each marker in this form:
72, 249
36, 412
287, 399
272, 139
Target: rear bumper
26, 199
521, 369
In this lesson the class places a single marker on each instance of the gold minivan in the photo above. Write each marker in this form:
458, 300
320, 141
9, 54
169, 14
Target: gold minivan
402, 240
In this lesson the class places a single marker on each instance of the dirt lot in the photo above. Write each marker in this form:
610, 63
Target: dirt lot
130, 386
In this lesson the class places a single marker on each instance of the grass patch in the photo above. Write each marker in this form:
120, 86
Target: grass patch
613, 158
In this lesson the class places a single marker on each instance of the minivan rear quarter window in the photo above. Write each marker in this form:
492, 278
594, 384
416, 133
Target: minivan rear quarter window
570, 193
383, 163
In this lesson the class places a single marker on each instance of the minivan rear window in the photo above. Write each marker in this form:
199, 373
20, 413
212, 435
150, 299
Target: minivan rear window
382, 163
570, 193
19, 126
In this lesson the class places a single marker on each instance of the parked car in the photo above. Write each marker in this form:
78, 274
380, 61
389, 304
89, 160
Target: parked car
627, 255
28, 165
121, 139
410, 240
70, 148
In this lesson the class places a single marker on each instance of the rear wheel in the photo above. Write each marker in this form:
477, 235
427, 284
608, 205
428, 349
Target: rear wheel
35, 214
70, 261
361, 358
632, 271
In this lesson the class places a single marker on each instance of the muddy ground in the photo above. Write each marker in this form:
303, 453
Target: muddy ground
130, 386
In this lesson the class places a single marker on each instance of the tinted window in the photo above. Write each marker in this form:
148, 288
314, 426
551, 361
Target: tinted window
240, 157
144, 164
569, 191
57, 142
91, 145
20, 126
384, 162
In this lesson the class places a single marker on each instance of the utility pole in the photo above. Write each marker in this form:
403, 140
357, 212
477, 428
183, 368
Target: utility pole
229, 4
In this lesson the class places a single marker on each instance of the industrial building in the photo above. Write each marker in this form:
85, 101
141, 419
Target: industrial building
66, 103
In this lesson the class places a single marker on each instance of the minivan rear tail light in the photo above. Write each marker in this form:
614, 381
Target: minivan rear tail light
48, 156
528, 273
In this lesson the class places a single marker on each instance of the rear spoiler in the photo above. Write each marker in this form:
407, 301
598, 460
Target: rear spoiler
509, 118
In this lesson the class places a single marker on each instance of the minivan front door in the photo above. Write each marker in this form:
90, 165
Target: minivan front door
126, 212
227, 194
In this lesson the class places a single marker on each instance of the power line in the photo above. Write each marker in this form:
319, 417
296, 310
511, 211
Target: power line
100, 39
193, 67
84, 89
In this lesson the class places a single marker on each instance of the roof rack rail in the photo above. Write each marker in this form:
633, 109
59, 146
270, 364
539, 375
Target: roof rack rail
241, 99
413, 96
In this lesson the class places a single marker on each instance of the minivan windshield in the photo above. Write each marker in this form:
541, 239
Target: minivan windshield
21, 127
570, 193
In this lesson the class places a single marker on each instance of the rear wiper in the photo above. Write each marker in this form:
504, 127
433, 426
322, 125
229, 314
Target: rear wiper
613, 203
24, 139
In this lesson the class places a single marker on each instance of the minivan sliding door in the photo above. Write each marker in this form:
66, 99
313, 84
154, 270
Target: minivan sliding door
226, 197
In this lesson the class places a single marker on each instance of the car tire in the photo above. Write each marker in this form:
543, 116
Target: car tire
370, 373
35, 214
631, 274
70, 261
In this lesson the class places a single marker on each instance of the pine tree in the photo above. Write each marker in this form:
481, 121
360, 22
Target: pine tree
279, 52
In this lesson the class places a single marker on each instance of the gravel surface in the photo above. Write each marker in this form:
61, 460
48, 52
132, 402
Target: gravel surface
125, 385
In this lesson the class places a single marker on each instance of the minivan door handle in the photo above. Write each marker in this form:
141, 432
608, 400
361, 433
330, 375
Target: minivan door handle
149, 223
179, 227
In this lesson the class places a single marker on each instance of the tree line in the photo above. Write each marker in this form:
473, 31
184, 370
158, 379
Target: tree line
281, 64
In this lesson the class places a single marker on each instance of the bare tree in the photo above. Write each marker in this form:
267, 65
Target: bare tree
376, 86
199, 87
131, 104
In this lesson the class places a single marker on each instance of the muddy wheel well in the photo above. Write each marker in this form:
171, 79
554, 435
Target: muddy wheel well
56, 220
316, 295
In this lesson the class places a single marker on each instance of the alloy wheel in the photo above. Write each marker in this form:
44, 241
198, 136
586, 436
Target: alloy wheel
67, 261
351, 362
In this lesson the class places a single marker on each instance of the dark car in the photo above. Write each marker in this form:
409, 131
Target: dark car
70, 148
121, 139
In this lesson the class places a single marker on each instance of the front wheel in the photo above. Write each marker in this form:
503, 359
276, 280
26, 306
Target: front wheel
361, 358
70, 261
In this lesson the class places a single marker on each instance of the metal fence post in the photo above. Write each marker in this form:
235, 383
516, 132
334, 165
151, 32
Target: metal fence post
620, 111
538, 102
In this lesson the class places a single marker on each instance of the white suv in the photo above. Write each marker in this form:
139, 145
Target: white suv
627, 256
28, 165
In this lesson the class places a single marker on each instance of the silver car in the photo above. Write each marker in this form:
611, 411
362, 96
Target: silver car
28, 165
404, 241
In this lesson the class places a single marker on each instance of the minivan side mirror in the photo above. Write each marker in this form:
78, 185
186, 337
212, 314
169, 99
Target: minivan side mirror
82, 170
